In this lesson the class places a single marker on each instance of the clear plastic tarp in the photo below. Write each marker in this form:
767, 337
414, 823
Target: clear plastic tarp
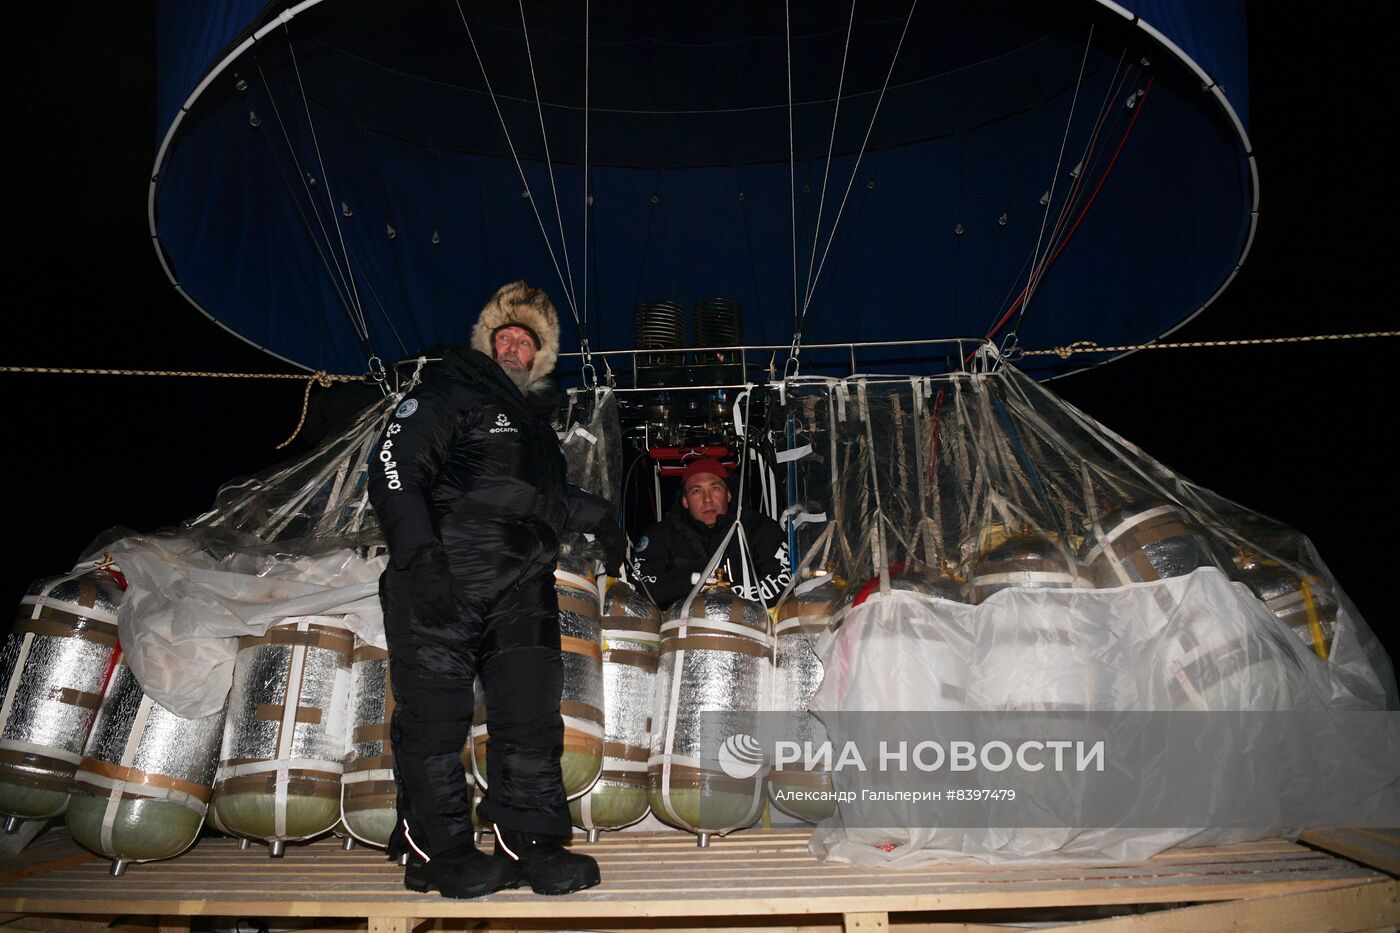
990, 547
301, 539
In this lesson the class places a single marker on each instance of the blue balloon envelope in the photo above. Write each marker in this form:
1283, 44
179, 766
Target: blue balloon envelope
341, 178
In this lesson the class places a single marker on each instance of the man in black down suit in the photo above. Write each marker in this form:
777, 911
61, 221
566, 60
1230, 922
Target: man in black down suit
470, 487
670, 556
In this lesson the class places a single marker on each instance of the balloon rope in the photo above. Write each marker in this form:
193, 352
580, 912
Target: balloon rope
520, 169
792, 173
1033, 280
548, 162
859, 156
830, 147
330, 198
587, 193
342, 287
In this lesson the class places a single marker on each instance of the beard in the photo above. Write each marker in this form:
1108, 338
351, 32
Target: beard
521, 377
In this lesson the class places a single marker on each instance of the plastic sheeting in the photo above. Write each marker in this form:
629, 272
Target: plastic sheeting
1000, 550
299, 540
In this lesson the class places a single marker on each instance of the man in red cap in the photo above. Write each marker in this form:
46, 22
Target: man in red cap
670, 557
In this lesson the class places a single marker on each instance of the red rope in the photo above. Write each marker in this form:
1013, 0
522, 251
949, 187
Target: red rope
1078, 220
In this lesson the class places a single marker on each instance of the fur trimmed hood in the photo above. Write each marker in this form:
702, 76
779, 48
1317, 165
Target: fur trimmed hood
519, 303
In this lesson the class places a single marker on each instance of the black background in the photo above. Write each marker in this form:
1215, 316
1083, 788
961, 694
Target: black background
1303, 433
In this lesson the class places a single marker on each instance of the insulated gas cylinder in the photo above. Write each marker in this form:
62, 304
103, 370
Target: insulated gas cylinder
368, 799
631, 624
581, 703
1144, 541
286, 737
1303, 602
54, 669
715, 658
1033, 662
795, 788
143, 787
1026, 560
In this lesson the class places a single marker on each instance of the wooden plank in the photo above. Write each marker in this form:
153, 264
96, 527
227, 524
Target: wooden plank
771, 876
874, 922
391, 925
1359, 907
1378, 848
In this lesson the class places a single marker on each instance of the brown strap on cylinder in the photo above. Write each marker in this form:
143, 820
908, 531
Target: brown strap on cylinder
580, 710
136, 776
714, 643
59, 624
646, 660
581, 646
574, 604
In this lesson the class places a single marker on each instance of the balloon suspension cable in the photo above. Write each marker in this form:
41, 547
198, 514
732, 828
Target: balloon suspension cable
860, 156
830, 147
330, 197
519, 168
1140, 98
1080, 172
548, 161
1032, 281
792, 163
337, 277
587, 192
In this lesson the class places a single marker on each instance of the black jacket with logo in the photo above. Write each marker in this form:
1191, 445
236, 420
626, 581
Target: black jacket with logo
678, 546
466, 448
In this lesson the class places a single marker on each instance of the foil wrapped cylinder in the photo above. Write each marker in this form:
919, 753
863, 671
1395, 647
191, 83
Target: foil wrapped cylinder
717, 661
1026, 560
54, 668
911, 577
804, 793
1215, 662
631, 638
368, 796
581, 704
143, 787
1144, 541
1306, 604
286, 737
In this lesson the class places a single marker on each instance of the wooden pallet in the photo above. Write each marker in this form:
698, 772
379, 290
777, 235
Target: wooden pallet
760, 880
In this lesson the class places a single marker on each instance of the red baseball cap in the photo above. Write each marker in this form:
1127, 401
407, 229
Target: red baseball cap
703, 465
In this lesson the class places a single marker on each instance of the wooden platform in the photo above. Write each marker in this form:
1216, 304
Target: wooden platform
752, 880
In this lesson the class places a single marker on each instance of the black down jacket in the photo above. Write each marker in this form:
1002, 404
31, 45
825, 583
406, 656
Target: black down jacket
678, 546
468, 447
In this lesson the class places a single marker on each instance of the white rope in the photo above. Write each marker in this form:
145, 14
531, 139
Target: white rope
855, 170
1036, 273
338, 277
830, 146
330, 197
792, 167
548, 161
587, 192
520, 169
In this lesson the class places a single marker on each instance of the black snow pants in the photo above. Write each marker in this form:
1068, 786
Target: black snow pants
507, 633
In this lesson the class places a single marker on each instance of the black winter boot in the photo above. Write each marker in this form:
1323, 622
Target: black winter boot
545, 863
462, 872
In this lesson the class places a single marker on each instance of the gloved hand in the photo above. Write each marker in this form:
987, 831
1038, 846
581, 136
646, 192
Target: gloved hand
613, 541
424, 585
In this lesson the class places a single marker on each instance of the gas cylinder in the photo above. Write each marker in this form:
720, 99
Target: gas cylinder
630, 630
143, 787
368, 799
714, 659
54, 669
799, 791
286, 737
1144, 541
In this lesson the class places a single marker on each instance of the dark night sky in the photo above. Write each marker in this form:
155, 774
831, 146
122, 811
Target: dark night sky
1296, 432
